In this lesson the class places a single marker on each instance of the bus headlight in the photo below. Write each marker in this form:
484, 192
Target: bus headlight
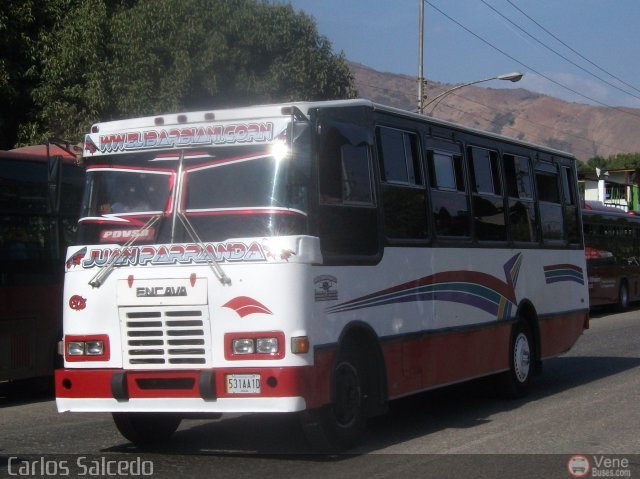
243, 346
258, 345
267, 345
94, 348
87, 348
75, 348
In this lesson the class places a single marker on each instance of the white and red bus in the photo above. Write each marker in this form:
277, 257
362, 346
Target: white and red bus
314, 258
40, 194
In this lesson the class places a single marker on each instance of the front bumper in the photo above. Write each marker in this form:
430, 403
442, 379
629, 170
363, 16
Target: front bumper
188, 391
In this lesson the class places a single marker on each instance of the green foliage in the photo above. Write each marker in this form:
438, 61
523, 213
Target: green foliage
19, 26
616, 162
90, 60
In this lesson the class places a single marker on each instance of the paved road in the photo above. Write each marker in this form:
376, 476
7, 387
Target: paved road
586, 402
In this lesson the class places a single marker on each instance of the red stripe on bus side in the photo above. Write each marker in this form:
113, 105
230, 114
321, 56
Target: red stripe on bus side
559, 333
439, 359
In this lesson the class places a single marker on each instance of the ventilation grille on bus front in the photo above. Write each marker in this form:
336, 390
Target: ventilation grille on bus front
173, 336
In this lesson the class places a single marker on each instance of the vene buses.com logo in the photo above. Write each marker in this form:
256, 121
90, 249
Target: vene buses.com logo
578, 466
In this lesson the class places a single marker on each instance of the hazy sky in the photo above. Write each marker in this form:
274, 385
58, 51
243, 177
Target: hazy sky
589, 46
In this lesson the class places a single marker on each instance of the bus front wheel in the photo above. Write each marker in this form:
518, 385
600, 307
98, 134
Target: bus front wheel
146, 428
340, 425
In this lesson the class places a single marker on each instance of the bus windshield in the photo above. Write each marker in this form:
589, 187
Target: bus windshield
225, 192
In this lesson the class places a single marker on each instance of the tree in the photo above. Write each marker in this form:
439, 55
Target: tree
105, 60
20, 23
615, 162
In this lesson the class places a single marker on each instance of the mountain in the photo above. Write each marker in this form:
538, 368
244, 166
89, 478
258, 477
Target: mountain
584, 130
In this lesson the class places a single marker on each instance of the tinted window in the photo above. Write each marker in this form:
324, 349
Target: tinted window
551, 218
443, 174
405, 215
356, 181
519, 185
547, 186
570, 206
518, 176
399, 156
347, 222
23, 186
485, 172
28, 238
449, 202
446, 171
488, 205
345, 170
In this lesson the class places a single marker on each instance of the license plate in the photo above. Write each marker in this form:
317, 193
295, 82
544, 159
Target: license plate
243, 383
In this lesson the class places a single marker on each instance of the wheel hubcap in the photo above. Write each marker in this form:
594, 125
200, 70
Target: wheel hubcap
521, 357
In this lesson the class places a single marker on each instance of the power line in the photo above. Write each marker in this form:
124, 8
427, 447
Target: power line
589, 152
572, 49
558, 53
529, 67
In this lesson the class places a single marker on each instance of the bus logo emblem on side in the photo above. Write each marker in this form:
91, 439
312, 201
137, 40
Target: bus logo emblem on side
326, 288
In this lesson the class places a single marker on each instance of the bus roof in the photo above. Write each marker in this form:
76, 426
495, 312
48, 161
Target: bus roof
284, 109
37, 153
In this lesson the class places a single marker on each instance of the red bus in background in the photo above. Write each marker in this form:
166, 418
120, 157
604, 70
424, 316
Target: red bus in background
612, 248
40, 195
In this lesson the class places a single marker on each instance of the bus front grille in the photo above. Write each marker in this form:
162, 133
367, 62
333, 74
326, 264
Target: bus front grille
172, 336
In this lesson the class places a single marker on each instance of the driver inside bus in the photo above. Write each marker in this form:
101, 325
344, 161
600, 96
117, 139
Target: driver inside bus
128, 199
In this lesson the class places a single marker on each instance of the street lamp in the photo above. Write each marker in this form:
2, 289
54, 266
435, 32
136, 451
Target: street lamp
513, 77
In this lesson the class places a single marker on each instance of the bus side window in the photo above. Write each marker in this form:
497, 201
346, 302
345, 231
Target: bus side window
403, 192
488, 205
345, 176
347, 216
449, 200
570, 206
550, 206
356, 175
522, 211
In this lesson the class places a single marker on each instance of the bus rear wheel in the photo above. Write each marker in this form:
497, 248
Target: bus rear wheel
623, 297
516, 382
340, 425
146, 428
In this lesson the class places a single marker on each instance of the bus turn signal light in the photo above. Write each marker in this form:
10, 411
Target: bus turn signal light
300, 345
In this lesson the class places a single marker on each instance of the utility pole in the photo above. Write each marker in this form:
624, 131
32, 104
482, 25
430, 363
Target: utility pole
421, 96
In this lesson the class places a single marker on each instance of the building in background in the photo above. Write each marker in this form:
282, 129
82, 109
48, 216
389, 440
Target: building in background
616, 188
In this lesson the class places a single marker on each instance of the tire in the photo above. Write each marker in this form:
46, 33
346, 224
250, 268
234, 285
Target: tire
144, 429
623, 297
340, 425
516, 382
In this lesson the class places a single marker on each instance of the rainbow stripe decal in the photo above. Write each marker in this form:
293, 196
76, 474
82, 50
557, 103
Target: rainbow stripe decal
472, 288
555, 273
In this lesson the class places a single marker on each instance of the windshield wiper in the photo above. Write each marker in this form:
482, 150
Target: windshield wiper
189, 228
101, 276
211, 261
